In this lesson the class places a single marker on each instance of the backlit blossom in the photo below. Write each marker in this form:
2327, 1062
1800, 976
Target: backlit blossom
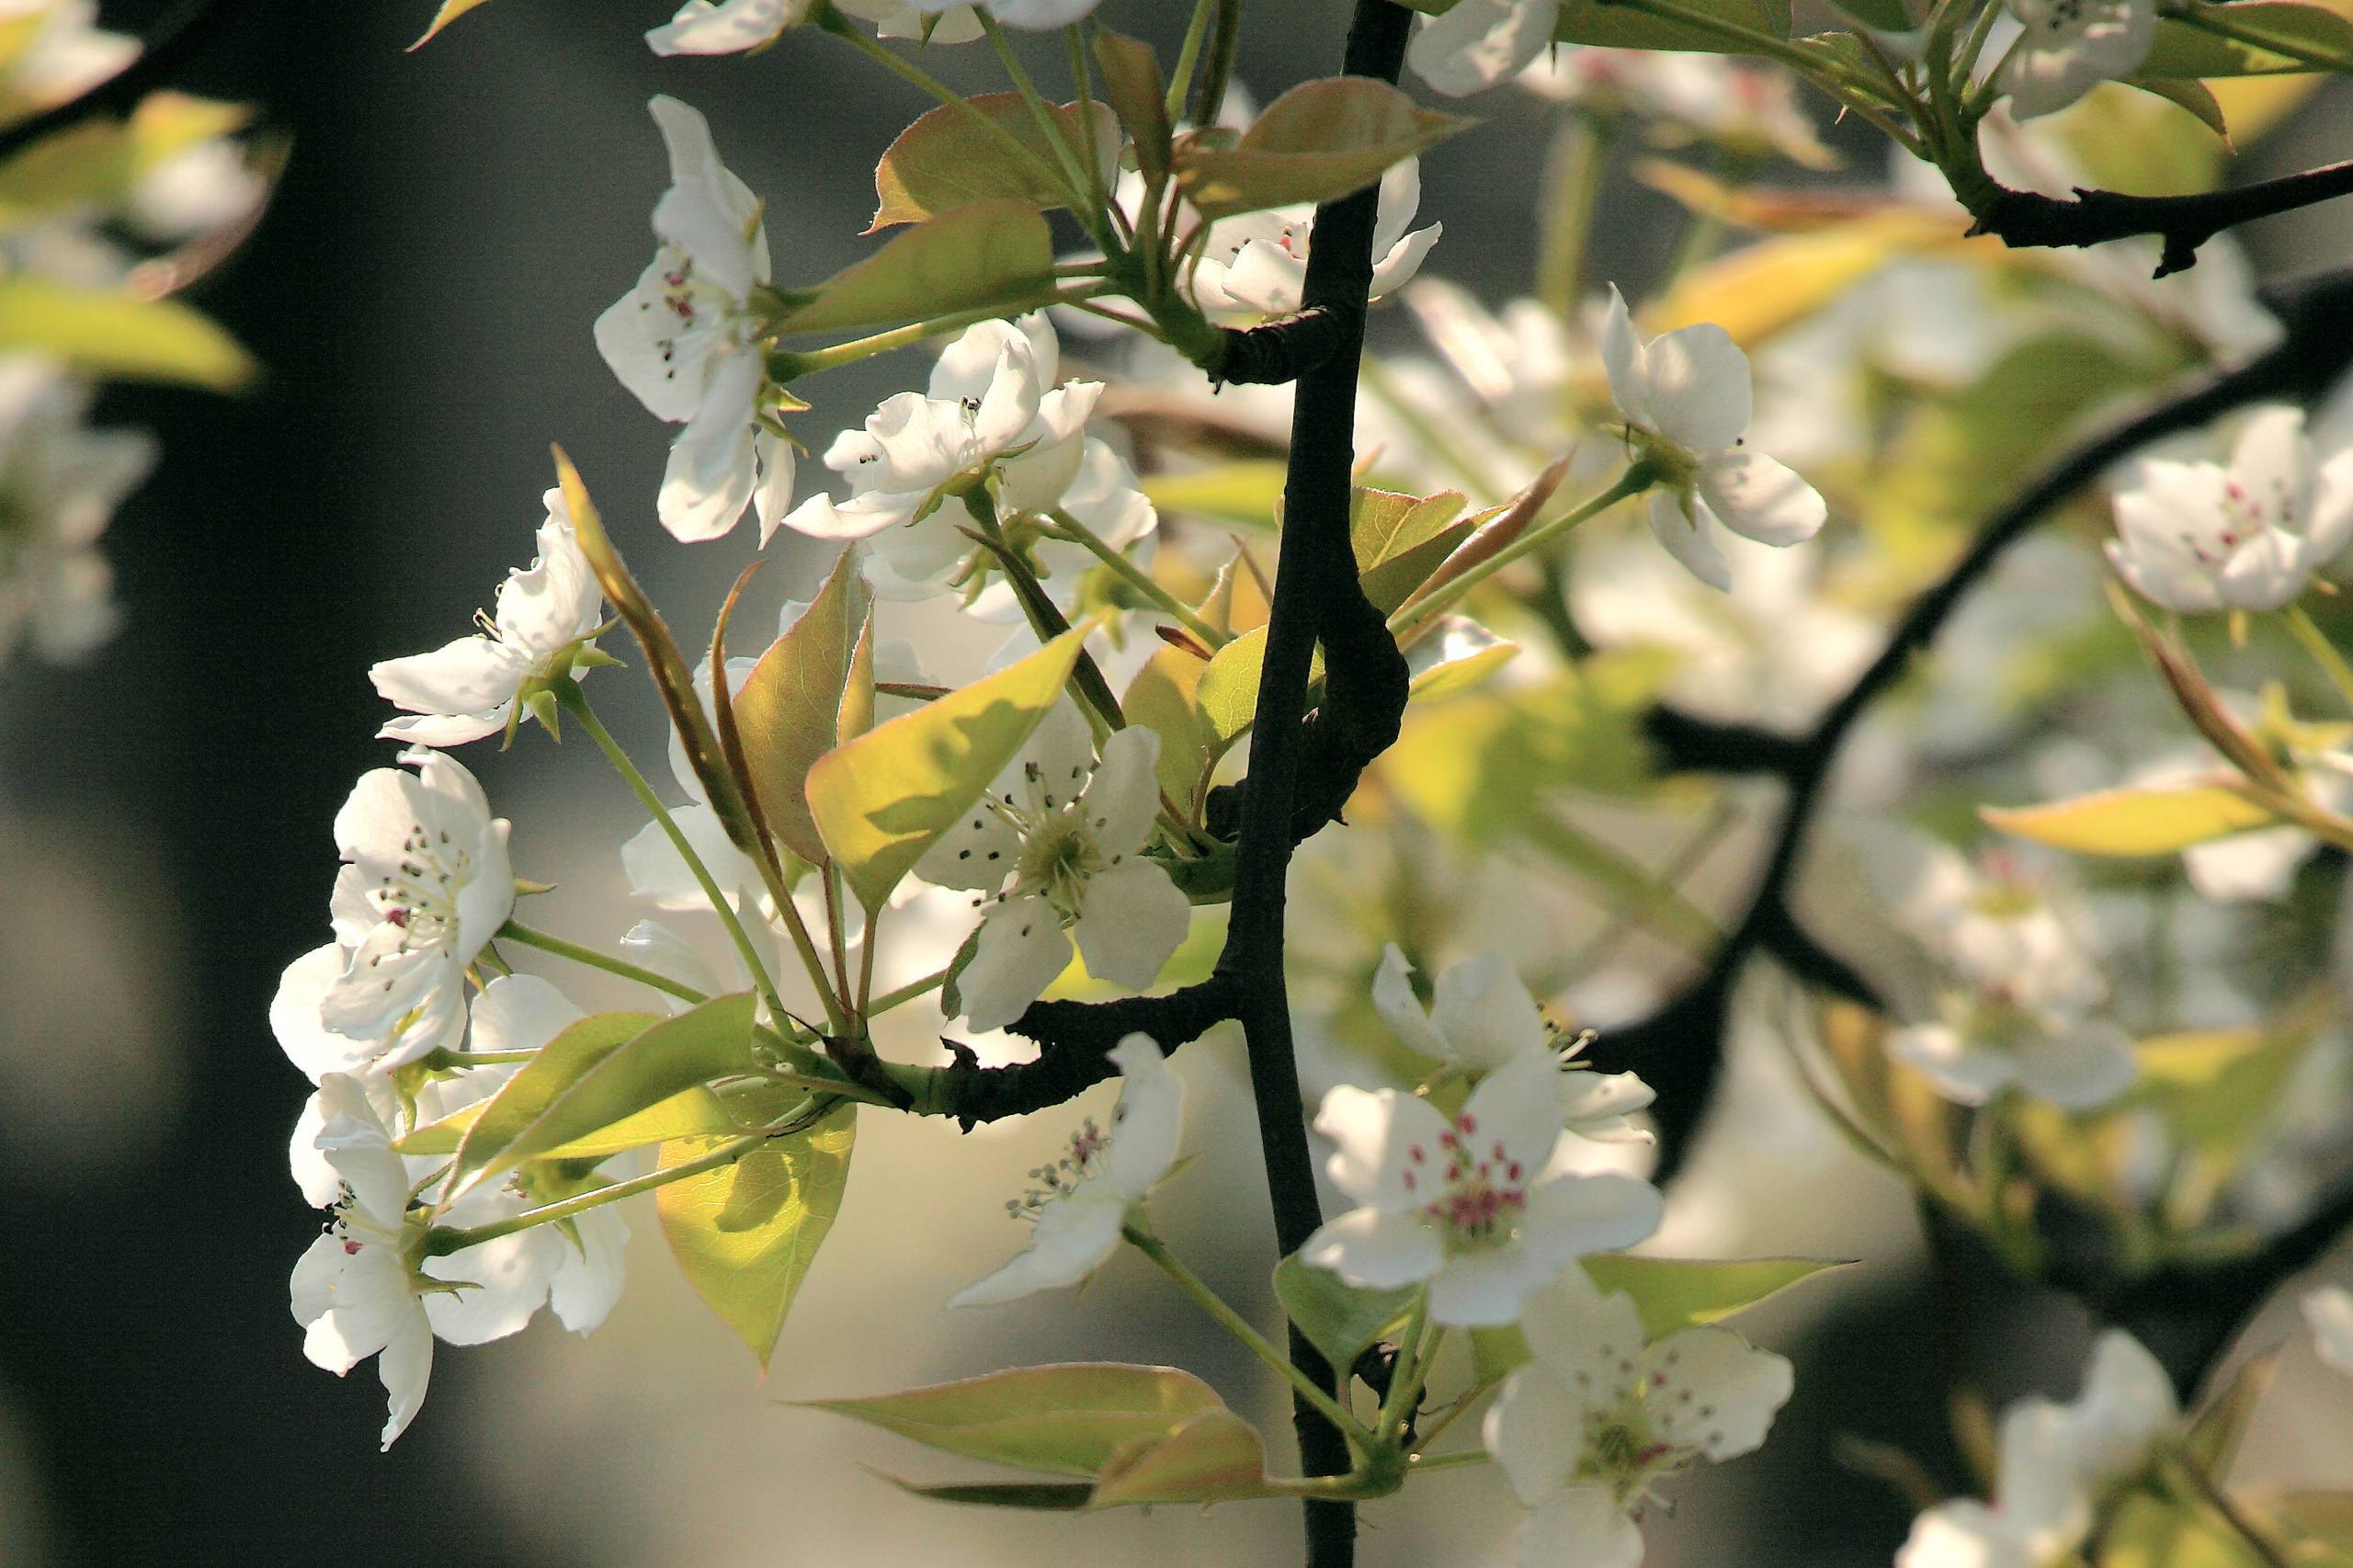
1480, 42
1471, 1202
59, 483
1057, 841
2200, 536
469, 688
2065, 48
1686, 398
1599, 1416
1084, 1197
687, 341
1257, 261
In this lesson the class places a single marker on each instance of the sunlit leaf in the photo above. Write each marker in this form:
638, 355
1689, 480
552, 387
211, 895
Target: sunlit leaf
103, 333
1758, 291
1337, 1318
2136, 820
1317, 143
880, 800
599, 1071
1070, 1419
449, 12
788, 714
1677, 1293
1246, 490
2251, 37
946, 160
690, 1113
745, 1233
1227, 694
1164, 698
2219, 1090
1454, 656
993, 255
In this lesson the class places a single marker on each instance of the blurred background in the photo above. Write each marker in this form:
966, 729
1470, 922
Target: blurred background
420, 293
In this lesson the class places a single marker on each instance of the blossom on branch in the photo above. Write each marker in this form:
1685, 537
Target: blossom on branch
2065, 48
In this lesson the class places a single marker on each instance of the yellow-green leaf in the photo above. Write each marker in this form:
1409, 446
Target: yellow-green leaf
691, 1113
1457, 654
108, 334
1213, 1458
789, 713
1338, 1319
1317, 142
1164, 698
745, 1233
947, 159
1071, 1419
598, 1072
1246, 491
2252, 38
2139, 820
880, 800
449, 12
993, 255
1227, 694
1677, 1293
2219, 1090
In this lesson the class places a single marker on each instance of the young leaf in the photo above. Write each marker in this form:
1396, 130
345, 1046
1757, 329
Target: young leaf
2150, 820
789, 713
1071, 1419
1228, 691
1050, 1495
1397, 539
1213, 1458
944, 160
1164, 698
746, 1234
105, 333
992, 255
1456, 654
2188, 94
1338, 1319
598, 1072
2252, 38
691, 1113
880, 800
1139, 94
1245, 490
1318, 141
2218, 1090
1675, 1293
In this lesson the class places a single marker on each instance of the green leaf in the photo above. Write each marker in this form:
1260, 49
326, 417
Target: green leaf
2253, 38
1227, 694
2219, 1090
2143, 819
1071, 1419
1246, 490
1214, 1456
600, 1071
2214, 1437
1677, 1293
944, 160
1495, 1352
687, 1114
1318, 141
1879, 15
789, 713
100, 159
1457, 654
1053, 1495
1164, 698
993, 255
2150, 1530
1139, 95
2187, 93
1400, 540
1337, 1318
746, 1234
880, 800
104, 333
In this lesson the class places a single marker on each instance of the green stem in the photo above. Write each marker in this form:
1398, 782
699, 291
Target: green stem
907, 992
568, 694
1234, 1322
446, 1239
1413, 1371
1638, 476
1421, 1463
2323, 653
1050, 128
1070, 528
524, 936
441, 1059
1574, 168
1083, 89
916, 77
1180, 78
787, 364
1046, 622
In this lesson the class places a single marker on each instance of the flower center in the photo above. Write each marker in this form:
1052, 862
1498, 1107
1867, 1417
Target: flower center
420, 896
1081, 1159
1476, 1196
686, 308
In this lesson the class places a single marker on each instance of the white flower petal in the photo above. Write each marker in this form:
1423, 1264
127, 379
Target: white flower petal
1376, 1138
1393, 999
1071, 1239
1376, 1251
1480, 42
1735, 1390
1573, 1216
1535, 1431
1123, 797
1760, 499
1150, 1119
1131, 917
1486, 1013
2080, 1068
1681, 528
1580, 1527
2328, 1313
1021, 952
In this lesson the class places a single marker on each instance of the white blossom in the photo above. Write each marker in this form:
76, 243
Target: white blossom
1085, 1195
732, 26
1481, 42
1686, 398
2200, 536
469, 688
2328, 1313
1257, 261
1483, 1019
425, 885
2065, 48
2057, 1462
1472, 1203
686, 341
1058, 842
1599, 1417
59, 483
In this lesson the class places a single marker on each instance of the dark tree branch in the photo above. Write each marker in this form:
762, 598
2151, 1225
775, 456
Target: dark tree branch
1679, 1048
1281, 351
2020, 219
1075, 1040
161, 53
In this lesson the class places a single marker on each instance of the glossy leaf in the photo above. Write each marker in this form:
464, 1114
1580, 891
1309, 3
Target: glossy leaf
2188, 94
2147, 820
746, 1234
880, 800
1456, 654
1318, 141
105, 333
1338, 1319
596, 1073
946, 160
1400, 540
1071, 1419
789, 713
993, 255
